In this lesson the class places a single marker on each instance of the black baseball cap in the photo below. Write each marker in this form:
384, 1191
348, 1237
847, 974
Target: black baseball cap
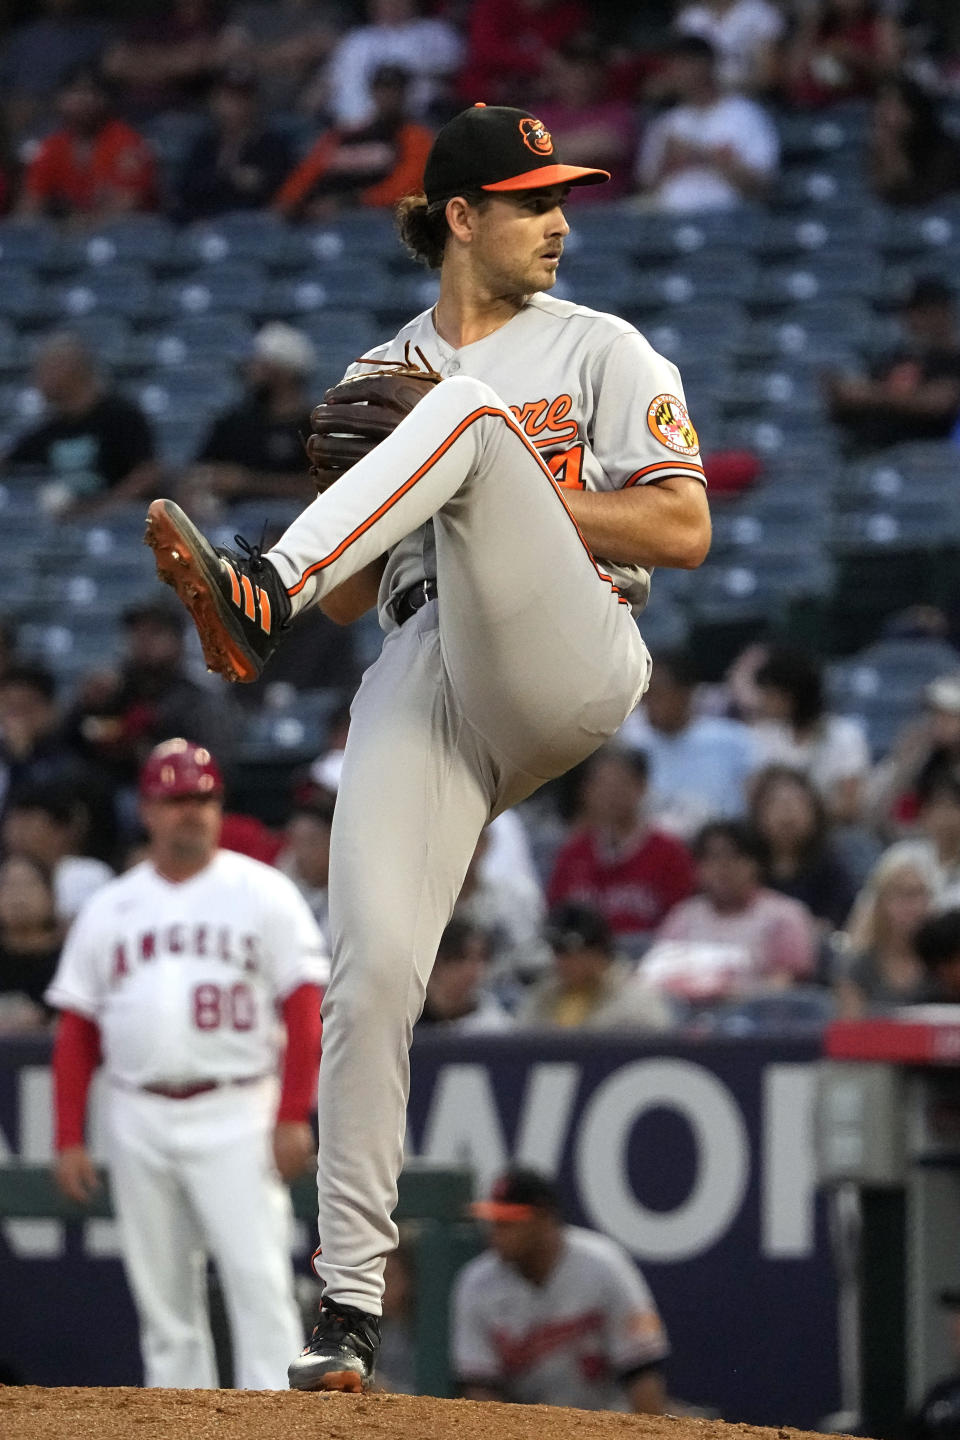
494, 147
517, 1195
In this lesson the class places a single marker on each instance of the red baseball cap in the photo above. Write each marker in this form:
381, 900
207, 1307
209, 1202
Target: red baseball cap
494, 147
179, 767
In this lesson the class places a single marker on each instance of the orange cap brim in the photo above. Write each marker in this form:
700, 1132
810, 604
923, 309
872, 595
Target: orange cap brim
500, 1210
546, 175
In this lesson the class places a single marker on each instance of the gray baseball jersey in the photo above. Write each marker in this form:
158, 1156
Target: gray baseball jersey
529, 659
599, 404
569, 1341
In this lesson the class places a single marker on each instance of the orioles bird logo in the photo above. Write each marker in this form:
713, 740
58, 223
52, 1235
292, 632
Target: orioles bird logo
536, 137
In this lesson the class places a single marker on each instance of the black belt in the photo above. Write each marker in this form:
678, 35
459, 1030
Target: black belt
413, 600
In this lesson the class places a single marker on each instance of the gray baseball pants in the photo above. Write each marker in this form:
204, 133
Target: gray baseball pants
528, 661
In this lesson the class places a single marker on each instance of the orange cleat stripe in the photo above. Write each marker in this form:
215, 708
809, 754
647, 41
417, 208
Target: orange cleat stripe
248, 606
234, 583
265, 616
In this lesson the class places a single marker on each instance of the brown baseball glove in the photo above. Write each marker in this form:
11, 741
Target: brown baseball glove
357, 414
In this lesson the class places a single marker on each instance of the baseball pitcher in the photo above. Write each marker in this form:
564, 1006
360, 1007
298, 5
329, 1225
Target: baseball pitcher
500, 480
173, 975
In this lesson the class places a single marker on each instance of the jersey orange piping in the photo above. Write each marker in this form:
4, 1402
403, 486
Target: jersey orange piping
428, 464
673, 467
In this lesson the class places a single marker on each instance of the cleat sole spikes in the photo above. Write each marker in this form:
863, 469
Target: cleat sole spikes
174, 541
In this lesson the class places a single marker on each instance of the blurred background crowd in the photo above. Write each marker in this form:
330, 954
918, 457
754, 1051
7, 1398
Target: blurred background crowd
196, 238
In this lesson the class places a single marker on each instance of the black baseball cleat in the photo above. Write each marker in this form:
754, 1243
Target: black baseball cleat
238, 602
341, 1354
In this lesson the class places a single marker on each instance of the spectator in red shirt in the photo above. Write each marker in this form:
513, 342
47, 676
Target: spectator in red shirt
95, 166
614, 861
508, 43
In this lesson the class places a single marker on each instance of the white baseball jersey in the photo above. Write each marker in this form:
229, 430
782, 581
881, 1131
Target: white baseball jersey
569, 1341
183, 979
600, 405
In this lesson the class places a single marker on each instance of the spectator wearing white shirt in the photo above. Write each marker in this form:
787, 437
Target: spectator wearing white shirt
710, 151
427, 47
794, 728
744, 33
699, 764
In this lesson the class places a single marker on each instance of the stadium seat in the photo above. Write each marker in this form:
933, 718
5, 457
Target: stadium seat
27, 242
214, 288
25, 300
784, 236
122, 289
179, 437
247, 235
225, 337
137, 239
818, 276
189, 391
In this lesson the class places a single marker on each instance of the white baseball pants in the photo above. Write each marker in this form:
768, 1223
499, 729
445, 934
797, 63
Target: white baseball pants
525, 665
192, 1178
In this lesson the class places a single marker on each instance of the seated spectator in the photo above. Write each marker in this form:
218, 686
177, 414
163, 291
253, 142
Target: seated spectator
736, 938
33, 747
284, 41
457, 994
239, 163
913, 158
838, 51
95, 167
912, 393
925, 747
120, 715
375, 162
255, 449
598, 1343
938, 945
30, 941
876, 965
590, 986
589, 125
710, 151
39, 52
938, 830
94, 444
168, 57
744, 33
699, 764
508, 44
509, 910
426, 46
48, 824
800, 859
615, 860
793, 727
305, 857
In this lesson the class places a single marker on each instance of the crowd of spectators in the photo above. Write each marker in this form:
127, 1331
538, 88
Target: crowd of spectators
738, 840
309, 105
802, 870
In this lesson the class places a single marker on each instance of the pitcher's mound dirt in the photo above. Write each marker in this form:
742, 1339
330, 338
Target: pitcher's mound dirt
30, 1413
